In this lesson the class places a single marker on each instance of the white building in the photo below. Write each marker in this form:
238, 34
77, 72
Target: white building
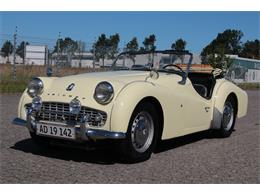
36, 54
84, 59
244, 70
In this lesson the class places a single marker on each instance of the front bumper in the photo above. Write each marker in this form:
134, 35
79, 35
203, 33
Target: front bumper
83, 133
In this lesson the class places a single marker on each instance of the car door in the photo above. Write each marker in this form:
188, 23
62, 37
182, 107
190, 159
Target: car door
185, 111
197, 109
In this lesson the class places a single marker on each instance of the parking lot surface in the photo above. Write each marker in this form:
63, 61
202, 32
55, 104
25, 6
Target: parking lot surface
197, 158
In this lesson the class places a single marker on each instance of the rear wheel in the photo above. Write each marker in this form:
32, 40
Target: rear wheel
142, 134
228, 118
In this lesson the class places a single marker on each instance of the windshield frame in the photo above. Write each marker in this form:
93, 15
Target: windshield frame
173, 52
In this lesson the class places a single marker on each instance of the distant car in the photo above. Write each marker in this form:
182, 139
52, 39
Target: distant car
135, 105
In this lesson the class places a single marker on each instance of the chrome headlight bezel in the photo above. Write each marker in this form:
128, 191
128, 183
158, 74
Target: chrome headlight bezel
104, 93
75, 106
35, 87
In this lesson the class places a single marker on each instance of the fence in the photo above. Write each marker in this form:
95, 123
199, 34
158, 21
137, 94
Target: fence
244, 70
241, 74
50, 52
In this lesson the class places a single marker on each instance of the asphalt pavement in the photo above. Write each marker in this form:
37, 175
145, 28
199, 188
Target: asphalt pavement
197, 158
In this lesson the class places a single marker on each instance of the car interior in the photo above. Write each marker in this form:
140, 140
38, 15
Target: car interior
203, 83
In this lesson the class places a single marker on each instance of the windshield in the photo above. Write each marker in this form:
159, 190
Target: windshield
159, 60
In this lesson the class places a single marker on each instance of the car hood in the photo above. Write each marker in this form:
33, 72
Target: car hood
119, 76
85, 83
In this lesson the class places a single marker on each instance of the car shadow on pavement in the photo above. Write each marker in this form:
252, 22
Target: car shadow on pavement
97, 156
105, 155
170, 144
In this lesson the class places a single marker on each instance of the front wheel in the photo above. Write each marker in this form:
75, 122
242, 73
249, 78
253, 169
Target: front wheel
142, 134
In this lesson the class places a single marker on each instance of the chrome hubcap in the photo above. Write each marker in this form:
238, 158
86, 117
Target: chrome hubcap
142, 131
228, 116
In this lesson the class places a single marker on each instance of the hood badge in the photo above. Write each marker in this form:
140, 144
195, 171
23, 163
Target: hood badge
70, 87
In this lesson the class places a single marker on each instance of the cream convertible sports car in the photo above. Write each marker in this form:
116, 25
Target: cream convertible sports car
144, 98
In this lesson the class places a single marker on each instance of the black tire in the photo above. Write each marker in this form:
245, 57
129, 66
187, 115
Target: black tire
127, 149
42, 142
225, 131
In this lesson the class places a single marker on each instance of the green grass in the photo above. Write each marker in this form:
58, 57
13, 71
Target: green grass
249, 86
25, 73
8, 85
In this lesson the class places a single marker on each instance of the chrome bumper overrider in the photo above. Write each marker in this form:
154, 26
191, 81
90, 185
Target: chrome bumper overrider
82, 131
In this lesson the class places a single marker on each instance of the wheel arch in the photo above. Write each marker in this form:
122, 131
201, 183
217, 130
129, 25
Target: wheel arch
159, 110
226, 90
128, 99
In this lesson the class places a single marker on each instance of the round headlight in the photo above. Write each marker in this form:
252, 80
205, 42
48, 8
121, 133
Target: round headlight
35, 87
104, 93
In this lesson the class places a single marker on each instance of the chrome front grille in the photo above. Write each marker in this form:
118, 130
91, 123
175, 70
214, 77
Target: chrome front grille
59, 112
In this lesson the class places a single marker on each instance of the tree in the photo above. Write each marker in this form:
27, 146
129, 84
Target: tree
100, 47
113, 42
251, 49
67, 46
220, 61
227, 42
20, 51
149, 43
179, 45
132, 46
70, 47
7, 50
58, 46
106, 47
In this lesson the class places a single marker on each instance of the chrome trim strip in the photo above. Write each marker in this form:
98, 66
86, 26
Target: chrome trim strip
89, 132
31, 125
102, 134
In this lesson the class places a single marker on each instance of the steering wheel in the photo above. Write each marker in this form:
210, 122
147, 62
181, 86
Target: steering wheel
173, 65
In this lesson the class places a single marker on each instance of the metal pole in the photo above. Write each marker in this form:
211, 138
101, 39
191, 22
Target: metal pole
24, 52
14, 53
46, 56
94, 53
80, 52
58, 54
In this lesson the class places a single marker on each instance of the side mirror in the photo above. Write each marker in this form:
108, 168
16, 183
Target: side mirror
154, 74
49, 71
